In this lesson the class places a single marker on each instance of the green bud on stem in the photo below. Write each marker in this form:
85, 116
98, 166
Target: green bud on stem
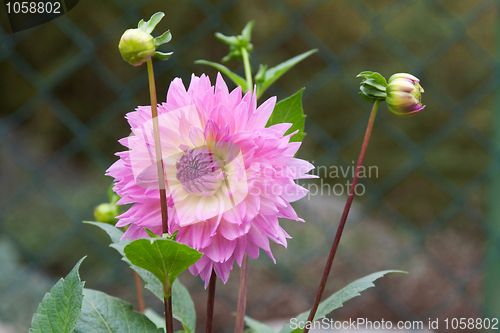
137, 45
237, 43
403, 93
106, 213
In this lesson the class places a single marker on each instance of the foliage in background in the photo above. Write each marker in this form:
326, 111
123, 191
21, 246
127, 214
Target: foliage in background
71, 308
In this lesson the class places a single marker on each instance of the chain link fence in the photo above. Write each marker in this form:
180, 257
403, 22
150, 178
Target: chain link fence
429, 206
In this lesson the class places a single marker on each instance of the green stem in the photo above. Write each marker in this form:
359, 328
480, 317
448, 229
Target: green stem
343, 219
161, 178
248, 69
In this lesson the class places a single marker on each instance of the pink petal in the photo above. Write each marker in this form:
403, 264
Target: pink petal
177, 96
261, 116
221, 249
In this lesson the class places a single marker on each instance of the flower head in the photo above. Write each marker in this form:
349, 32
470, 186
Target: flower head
404, 95
228, 178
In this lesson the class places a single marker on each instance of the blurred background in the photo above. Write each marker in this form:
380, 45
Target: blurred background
431, 209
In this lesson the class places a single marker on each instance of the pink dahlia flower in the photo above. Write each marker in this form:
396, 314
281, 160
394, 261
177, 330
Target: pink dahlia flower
228, 178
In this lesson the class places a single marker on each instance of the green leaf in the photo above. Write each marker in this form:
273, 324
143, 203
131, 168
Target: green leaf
113, 232
165, 258
60, 308
276, 72
120, 246
257, 326
246, 33
261, 74
238, 80
372, 86
366, 98
172, 236
290, 110
103, 313
162, 55
151, 282
164, 38
150, 25
142, 25
229, 40
367, 90
374, 78
336, 300
151, 234
158, 320
183, 307
234, 53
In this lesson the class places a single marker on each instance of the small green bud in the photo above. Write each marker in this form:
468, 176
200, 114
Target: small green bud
136, 46
172, 236
404, 95
106, 213
237, 43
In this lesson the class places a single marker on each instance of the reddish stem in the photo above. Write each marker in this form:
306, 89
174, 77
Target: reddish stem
159, 162
210, 302
242, 296
169, 321
343, 219
161, 180
138, 290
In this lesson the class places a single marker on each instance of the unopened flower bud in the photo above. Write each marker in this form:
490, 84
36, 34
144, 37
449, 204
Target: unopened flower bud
106, 213
404, 95
136, 46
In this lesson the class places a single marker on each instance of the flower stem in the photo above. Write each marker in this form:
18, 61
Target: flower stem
161, 180
242, 296
242, 292
138, 290
210, 301
169, 321
343, 219
159, 162
248, 68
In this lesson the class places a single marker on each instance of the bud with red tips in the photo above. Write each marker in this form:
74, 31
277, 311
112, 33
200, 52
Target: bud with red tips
404, 95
